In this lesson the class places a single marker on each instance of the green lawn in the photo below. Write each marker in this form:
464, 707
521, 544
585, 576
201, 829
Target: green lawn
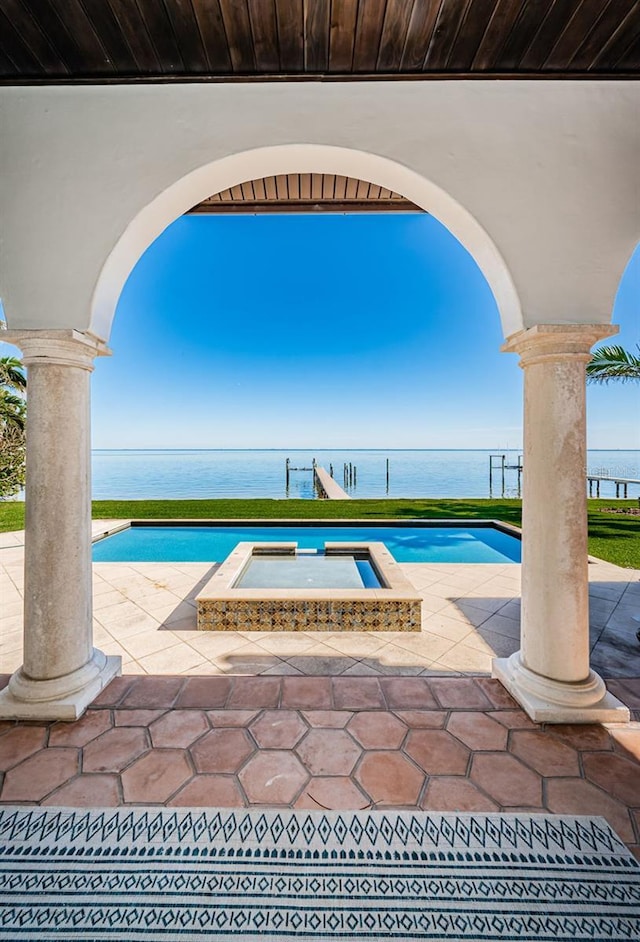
613, 537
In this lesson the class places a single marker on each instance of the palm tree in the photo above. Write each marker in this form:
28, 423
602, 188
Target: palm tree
13, 414
613, 363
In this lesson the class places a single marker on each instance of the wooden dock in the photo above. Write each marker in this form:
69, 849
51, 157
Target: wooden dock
619, 483
326, 486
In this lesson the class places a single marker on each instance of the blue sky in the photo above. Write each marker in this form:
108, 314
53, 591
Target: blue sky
323, 331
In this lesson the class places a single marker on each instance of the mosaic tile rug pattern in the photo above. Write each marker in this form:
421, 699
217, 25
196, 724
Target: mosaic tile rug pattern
155, 874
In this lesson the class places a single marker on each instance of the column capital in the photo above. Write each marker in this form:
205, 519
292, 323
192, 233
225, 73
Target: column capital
57, 347
557, 341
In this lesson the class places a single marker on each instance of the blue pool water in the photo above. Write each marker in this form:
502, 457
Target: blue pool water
408, 544
308, 572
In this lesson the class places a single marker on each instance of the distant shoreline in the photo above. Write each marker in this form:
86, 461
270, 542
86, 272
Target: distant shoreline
496, 448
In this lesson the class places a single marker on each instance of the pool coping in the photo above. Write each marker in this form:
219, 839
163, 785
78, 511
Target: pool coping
395, 602
485, 523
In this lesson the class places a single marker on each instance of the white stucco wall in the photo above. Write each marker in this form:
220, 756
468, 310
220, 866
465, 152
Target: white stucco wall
540, 180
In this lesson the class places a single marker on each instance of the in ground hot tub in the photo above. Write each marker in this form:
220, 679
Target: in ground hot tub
277, 587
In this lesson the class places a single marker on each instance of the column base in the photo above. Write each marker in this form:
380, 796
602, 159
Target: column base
551, 701
62, 698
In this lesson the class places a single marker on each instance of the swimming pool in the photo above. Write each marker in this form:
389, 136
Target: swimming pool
459, 542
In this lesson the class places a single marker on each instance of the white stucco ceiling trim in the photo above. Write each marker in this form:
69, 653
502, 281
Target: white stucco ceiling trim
237, 168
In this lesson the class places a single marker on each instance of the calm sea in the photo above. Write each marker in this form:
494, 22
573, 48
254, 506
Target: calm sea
261, 473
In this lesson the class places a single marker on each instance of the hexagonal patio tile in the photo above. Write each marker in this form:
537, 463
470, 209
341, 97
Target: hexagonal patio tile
389, 778
87, 791
618, 776
278, 729
437, 752
156, 776
377, 730
333, 793
222, 750
209, 791
179, 728
506, 779
115, 749
273, 778
19, 743
38, 776
90, 726
453, 793
328, 752
478, 731
544, 754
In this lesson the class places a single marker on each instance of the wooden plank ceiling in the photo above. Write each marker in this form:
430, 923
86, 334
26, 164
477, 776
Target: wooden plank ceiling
306, 193
163, 40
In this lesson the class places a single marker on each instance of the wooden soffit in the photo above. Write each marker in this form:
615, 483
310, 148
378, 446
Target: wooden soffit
225, 40
306, 193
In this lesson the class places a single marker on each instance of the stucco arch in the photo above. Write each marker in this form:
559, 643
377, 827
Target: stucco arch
237, 168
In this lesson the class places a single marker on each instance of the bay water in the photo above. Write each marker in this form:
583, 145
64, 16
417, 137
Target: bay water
182, 474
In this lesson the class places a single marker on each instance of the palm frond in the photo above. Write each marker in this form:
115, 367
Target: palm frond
12, 373
613, 363
12, 410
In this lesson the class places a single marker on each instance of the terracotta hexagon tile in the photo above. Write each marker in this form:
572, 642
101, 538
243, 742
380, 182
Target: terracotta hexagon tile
407, 693
513, 719
156, 776
178, 728
136, 717
459, 693
87, 791
357, 693
544, 754
450, 793
377, 730
618, 776
389, 778
19, 743
583, 736
437, 752
41, 774
88, 727
329, 719
478, 731
335, 793
306, 693
423, 719
506, 779
278, 729
205, 693
224, 718
328, 752
575, 796
251, 693
273, 778
115, 749
209, 791
153, 693
222, 750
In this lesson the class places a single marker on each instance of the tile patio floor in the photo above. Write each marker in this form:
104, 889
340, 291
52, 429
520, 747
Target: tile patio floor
390, 720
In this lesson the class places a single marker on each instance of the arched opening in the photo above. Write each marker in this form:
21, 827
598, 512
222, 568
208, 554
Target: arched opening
551, 675
296, 159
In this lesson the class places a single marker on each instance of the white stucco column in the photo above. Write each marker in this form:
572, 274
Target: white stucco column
62, 671
550, 675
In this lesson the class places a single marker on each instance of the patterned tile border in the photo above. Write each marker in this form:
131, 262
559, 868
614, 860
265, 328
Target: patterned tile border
395, 606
